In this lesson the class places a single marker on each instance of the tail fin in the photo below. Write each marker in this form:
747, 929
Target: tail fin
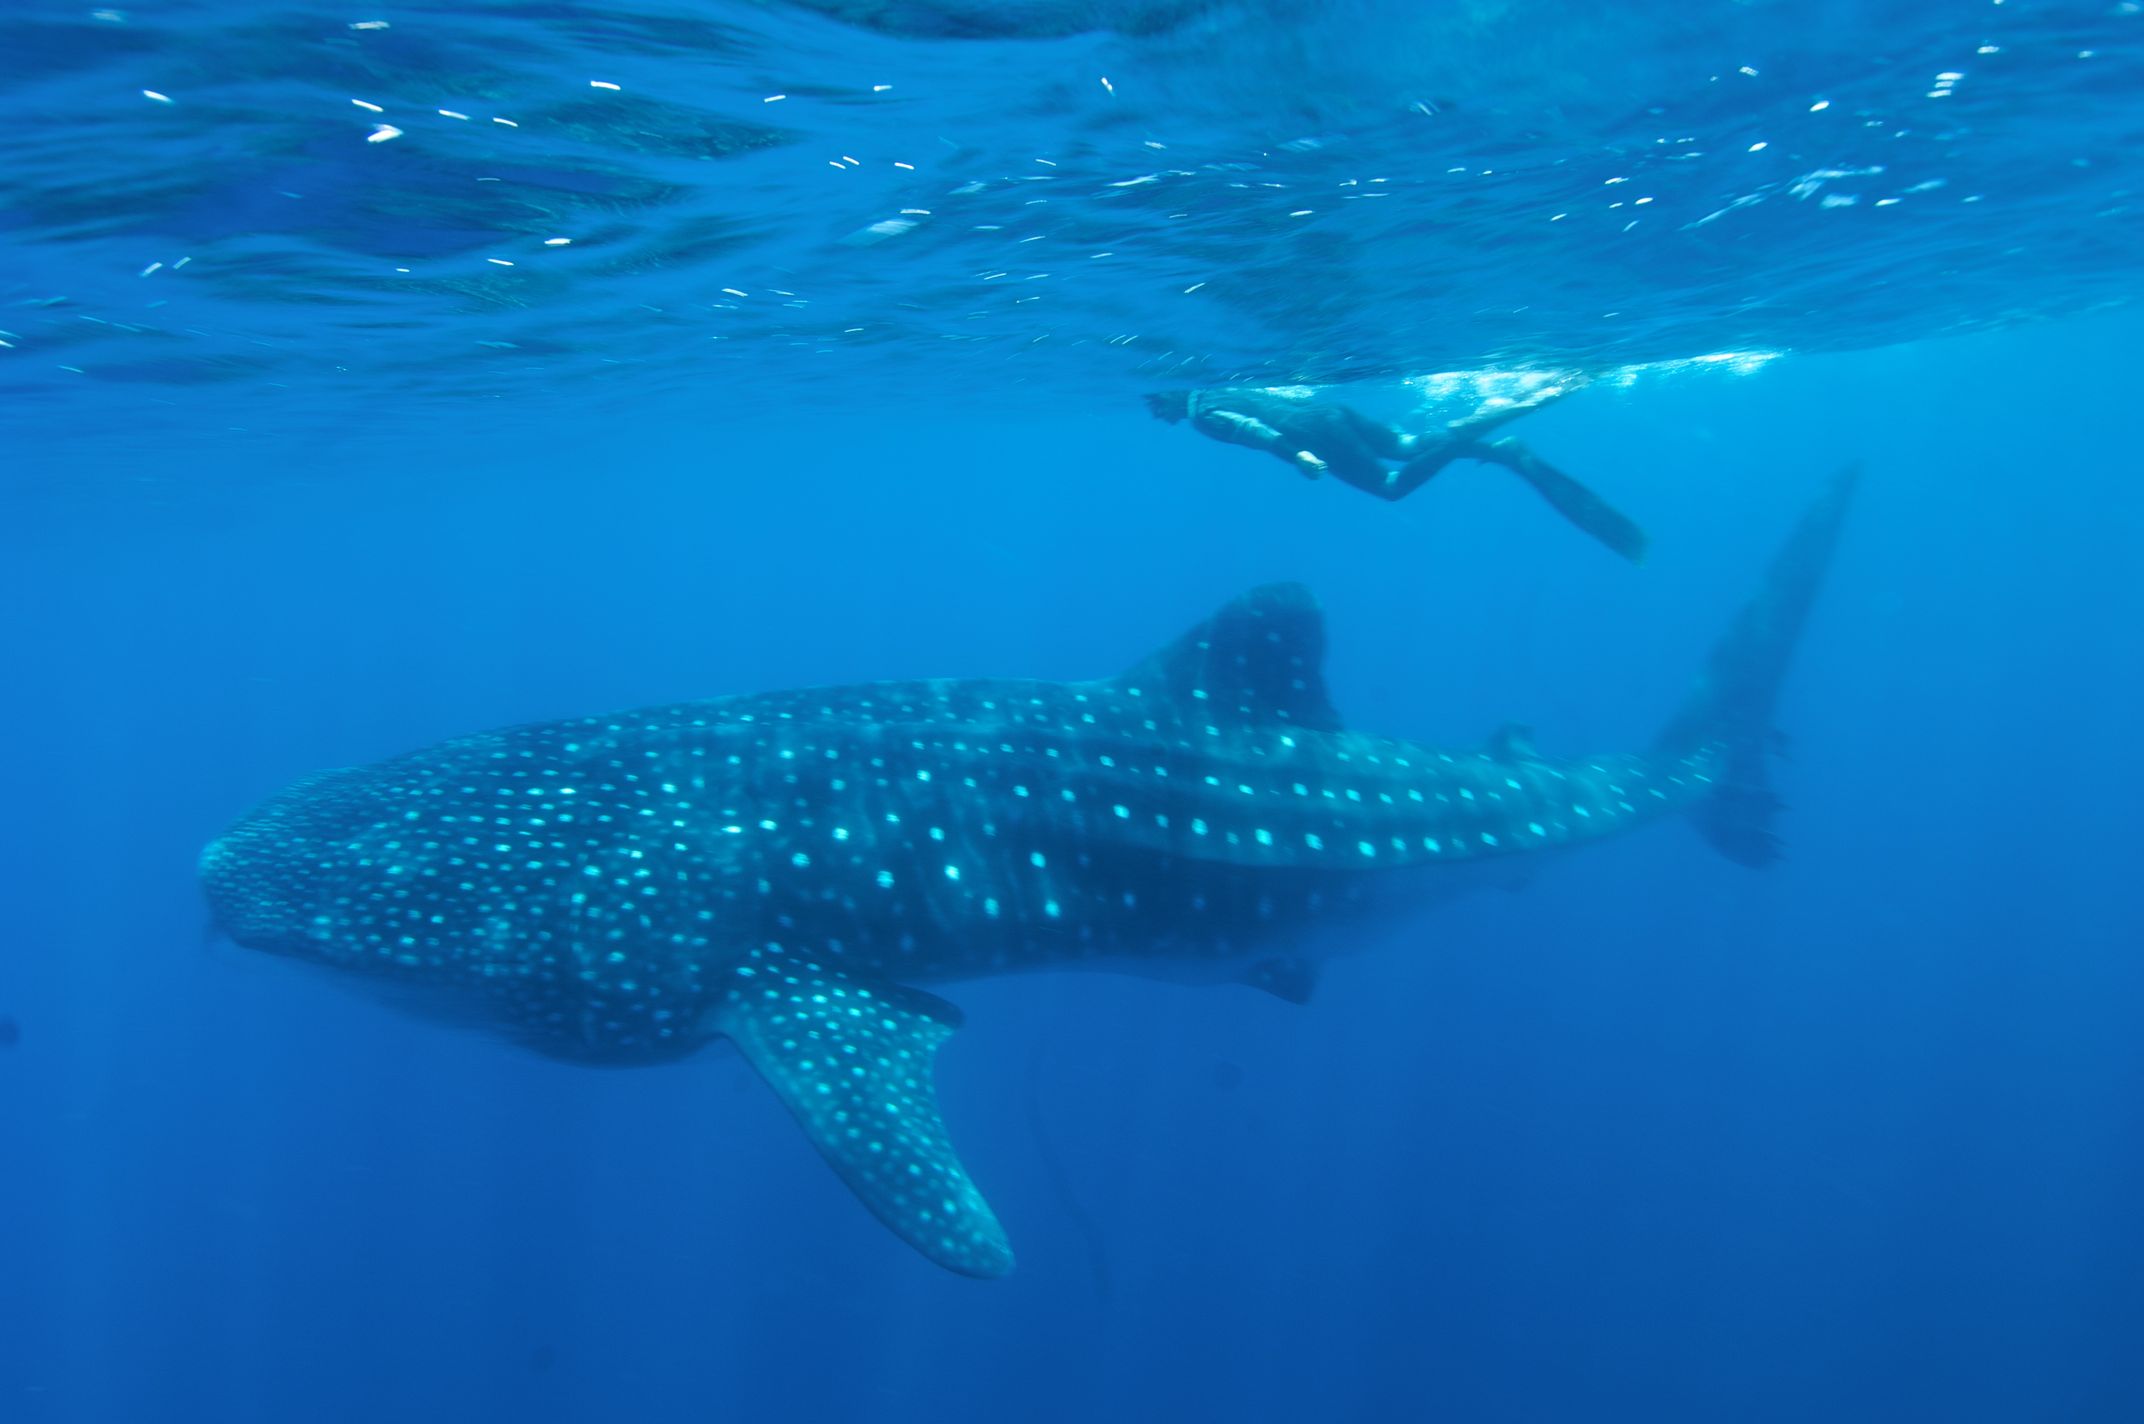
1732, 704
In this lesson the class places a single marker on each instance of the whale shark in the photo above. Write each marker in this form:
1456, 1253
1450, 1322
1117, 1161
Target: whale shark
792, 871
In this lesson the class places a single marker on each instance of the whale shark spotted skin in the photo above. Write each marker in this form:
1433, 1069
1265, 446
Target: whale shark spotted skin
783, 870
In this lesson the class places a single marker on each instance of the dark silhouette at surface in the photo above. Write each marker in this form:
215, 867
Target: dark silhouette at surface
1316, 438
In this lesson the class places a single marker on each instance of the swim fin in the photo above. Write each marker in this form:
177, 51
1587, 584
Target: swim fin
1580, 505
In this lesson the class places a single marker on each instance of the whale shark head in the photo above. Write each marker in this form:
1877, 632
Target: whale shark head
272, 880
514, 867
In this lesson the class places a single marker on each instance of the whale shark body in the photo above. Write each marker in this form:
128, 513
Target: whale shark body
785, 870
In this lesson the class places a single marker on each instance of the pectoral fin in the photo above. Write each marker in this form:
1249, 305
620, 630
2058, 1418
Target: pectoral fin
1287, 977
852, 1062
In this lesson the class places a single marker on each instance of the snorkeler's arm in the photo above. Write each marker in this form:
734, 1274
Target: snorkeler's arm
1235, 428
1567, 496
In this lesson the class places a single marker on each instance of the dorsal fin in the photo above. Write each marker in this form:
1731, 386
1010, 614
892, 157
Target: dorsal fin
1514, 741
1259, 660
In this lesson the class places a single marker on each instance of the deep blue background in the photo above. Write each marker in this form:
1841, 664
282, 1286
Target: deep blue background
1654, 1139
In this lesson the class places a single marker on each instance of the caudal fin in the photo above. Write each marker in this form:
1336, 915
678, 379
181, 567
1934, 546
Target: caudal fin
1731, 707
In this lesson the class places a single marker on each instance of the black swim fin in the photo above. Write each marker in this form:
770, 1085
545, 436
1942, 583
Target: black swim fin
1569, 498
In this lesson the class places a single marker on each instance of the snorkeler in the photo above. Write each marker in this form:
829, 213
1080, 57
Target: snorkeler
1317, 438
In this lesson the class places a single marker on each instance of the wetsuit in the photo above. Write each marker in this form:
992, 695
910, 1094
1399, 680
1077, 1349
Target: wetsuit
1315, 438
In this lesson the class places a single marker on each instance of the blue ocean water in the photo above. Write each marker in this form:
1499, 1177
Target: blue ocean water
835, 377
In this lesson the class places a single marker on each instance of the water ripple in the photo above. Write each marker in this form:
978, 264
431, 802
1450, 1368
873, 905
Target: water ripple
506, 199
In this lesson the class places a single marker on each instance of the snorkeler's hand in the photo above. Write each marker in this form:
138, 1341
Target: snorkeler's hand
1309, 465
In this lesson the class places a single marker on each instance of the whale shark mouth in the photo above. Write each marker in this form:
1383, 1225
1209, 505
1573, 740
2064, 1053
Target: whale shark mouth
258, 874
